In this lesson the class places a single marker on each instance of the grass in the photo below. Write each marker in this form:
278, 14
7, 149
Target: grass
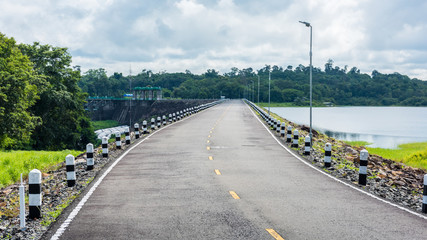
287, 104
411, 154
104, 124
13, 163
358, 143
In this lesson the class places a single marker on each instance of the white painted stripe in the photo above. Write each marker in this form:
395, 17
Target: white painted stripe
71, 175
336, 179
82, 202
425, 179
363, 170
425, 199
34, 200
327, 159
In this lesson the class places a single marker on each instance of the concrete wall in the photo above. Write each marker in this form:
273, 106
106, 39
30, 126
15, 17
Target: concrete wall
119, 109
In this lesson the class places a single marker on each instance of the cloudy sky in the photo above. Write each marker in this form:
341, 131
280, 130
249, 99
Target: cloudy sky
176, 35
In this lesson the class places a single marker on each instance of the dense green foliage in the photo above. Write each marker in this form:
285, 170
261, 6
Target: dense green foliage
334, 84
13, 163
41, 105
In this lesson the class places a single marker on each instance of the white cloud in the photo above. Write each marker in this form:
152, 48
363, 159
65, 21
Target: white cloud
176, 35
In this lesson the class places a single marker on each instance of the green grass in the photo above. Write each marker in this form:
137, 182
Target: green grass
411, 154
286, 104
104, 124
13, 163
358, 143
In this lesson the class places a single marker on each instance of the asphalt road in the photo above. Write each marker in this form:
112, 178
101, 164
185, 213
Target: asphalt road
220, 175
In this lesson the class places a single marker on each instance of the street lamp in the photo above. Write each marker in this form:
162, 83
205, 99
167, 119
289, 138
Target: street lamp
269, 83
258, 89
311, 70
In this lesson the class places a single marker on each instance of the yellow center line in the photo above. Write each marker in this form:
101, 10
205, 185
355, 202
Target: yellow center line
274, 234
208, 148
217, 172
234, 195
210, 158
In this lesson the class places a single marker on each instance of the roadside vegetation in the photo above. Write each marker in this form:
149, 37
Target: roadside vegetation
13, 163
104, 124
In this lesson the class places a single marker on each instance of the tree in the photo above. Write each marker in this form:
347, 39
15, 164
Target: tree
60, 106
19, 87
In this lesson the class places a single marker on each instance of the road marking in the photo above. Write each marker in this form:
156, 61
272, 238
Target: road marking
274, 234
210, 158
217, 172
332, 177
234, 195
208, 148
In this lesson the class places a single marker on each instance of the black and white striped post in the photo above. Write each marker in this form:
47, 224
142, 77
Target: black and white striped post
127, 135
289, 134
159, 122
363, 168
307, 145
105, 147
70, 167
144, 127
136, 127
328, 155
170, 118
153, 124
278, 126
34, 196
89, 156
118, 140
174, 117
164, 120
296, 138
177, 116
282, 130
424, 207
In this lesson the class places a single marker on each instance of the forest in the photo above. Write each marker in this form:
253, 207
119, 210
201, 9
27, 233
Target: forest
333, 84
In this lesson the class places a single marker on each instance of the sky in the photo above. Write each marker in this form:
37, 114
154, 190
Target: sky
177, 35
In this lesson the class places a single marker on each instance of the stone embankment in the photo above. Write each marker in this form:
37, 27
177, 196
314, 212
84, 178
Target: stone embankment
387, 179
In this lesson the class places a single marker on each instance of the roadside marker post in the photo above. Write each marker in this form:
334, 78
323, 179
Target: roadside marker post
70, 165
153, 124
170, 118
89, 156
136, 127
105, 147
159, 122
307, 146
22, 206
278, 126
328, 155
289, 134
118, 140
296, 138
127, 135
282, 130
363, 168
164, 120
424, 207
34, 194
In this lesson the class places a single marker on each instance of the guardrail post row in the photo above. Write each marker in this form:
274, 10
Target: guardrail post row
289, 134
153, 124
424, 207
127, 135
328, 155
136, 127
105, 147
307, 145
282, 130
70, 167
34, 194
144, 127
118, 140
89, 156
363, 168
296, 138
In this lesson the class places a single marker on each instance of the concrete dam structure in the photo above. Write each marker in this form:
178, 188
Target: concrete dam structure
122, 110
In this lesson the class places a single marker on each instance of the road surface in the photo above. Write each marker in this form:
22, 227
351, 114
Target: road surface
220, 175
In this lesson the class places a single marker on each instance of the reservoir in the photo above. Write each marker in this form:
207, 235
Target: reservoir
384, 127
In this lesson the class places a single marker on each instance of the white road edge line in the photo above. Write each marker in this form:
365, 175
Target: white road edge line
332, 177
82, 202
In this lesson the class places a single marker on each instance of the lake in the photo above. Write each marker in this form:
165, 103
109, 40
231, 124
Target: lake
384, 127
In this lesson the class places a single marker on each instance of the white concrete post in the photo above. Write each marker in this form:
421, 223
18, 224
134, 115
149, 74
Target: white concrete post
282, 130
89, 156
136, 127
118, 140
22, 205
127, 135
105, 147
34, 196
328, 155
296, 138
144, 127
307, 145
70, 167
363, 167
153, 124
289, 134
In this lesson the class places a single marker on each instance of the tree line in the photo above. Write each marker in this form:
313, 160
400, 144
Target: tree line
339, 86
41, 105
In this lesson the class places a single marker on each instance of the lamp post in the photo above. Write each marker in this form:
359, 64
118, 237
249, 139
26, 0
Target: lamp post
258, 89
269, 83
311, 70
